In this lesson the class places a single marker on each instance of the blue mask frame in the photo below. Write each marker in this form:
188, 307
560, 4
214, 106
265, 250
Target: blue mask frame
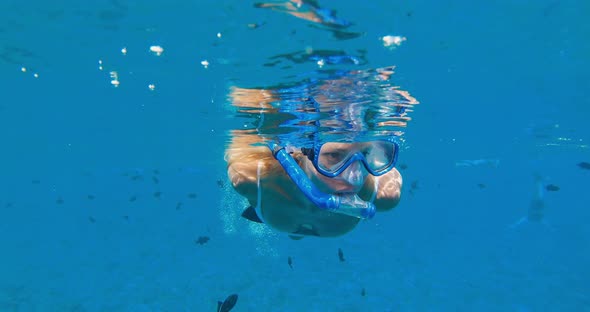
313, 155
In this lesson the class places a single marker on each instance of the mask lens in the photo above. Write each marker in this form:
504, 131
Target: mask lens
333, 156
381, 155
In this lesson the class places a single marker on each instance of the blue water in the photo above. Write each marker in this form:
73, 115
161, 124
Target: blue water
83, 227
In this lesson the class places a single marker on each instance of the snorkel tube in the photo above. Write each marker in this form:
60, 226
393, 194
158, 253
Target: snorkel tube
351, 205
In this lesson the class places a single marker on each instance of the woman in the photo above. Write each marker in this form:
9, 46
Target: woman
278, 201
326, 189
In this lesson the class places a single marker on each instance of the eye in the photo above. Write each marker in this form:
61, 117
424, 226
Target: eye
332, 155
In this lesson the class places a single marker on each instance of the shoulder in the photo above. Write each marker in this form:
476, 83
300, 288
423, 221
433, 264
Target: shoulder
246, 164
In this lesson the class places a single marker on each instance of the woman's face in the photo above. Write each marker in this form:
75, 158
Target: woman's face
351, 180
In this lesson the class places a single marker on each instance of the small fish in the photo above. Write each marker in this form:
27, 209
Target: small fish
156, 171
155, 179
91, 219
133, 198
91, 197
157, 194
126, 218
403, 166
59, 201
413, 186
256, 25
227, 304
341, 255
136, 177
584, 165
481, 185
36, 182
8, 205
192, 195
178, 206
202, 240
290, 262
552, 187
220, 183
363, 292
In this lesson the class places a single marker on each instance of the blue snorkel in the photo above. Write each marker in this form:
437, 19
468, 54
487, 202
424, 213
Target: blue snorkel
351, 205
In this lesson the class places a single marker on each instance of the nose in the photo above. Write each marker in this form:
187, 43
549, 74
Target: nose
355, 174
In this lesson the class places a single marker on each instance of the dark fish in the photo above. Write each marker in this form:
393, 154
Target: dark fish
156, 171
136, 177
126, 218
227, 304
59, 201
255, 25
157, 194
36, 182
403, 166
133, 198
91, 197
192, 195
414, 185
91, 219
481, 185
341, 255
290, 262
156, 181
552, 187
202, 240
363, 292
584, 165
220, 183
178, 206
8, 205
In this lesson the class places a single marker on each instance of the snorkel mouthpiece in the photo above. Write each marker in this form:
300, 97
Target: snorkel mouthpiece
351, 205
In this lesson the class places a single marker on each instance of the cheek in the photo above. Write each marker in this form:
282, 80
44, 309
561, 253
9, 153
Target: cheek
329, 184
324, 183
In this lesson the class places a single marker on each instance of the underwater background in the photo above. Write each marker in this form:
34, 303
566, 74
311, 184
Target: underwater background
114, 118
